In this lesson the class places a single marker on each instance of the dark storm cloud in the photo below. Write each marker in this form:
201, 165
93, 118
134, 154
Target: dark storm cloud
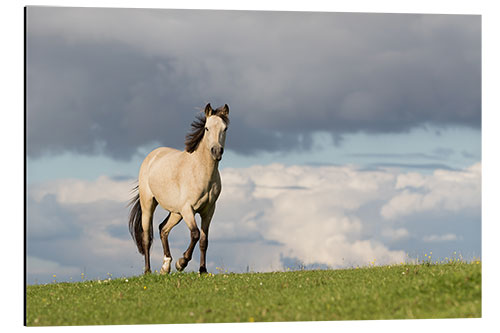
112, 80
86, 98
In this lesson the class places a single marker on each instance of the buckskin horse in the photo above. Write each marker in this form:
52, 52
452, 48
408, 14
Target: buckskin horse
184, 183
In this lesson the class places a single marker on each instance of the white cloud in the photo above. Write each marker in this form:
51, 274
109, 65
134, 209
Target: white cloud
77, 191
395, 234
440, 238
442, 191
311, 211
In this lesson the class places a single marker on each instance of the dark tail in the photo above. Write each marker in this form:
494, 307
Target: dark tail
135, 222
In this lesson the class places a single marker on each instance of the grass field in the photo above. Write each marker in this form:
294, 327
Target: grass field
389, 292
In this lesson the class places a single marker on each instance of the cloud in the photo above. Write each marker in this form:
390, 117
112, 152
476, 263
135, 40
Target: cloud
68, 224
334, 216
395, 234
77, 191
51, 219
111, 80
311, 211
440, 238
442, 191
48, 268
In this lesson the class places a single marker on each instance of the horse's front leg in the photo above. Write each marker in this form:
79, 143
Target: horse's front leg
206, 218
170, 221
188, 216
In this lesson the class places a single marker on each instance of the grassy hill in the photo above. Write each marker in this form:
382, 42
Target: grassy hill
389, 292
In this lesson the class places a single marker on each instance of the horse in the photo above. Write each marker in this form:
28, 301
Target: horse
184, 183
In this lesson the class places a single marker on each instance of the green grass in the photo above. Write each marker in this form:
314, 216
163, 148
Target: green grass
388, 292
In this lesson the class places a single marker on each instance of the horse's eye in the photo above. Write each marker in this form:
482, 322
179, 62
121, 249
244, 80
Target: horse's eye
225, 129
206, 129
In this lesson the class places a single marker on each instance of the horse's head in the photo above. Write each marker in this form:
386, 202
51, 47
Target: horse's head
215, 130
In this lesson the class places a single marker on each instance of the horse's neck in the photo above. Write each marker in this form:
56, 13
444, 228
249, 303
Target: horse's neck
204, 162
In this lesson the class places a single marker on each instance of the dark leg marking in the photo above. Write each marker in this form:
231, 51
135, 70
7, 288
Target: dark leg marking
205, 224
203, 252
147, 247
163, 237
182, 262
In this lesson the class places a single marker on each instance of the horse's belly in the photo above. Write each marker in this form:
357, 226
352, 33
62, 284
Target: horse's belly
169, 200
174, 200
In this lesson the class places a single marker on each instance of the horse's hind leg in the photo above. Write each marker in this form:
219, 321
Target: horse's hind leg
188, 216
148, 206
170, 221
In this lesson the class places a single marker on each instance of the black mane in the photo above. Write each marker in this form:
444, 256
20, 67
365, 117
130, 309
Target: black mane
193, 138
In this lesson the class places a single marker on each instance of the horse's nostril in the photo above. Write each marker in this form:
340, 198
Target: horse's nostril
217, 151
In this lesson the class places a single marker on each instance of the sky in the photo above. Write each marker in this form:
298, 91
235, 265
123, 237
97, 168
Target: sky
354, 138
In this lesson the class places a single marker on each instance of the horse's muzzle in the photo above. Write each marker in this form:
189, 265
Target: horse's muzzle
217, 153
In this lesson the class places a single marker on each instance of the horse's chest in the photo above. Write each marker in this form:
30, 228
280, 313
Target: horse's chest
207, 196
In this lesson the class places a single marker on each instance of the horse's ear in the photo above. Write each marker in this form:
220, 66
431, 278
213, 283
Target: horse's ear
208, 110
225, 110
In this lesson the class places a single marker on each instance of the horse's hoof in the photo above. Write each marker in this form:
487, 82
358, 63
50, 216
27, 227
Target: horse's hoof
180, 264
147, 271
203, 270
